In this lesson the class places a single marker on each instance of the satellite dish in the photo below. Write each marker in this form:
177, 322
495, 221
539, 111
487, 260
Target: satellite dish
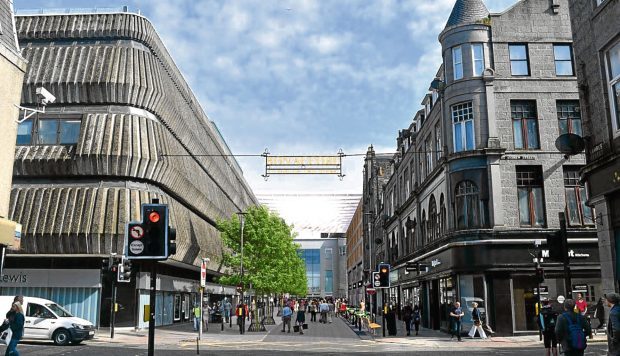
570, 144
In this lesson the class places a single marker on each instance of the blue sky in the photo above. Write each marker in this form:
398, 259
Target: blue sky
301, 76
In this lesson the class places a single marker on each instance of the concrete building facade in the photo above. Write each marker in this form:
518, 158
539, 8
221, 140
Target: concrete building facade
596, 35
125, 129
477, 181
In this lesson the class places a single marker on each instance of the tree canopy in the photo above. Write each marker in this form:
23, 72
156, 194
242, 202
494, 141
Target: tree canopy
270, 259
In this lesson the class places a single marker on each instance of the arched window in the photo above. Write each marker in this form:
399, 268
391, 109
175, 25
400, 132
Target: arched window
432, 219
467, 205
442, 215
423, 236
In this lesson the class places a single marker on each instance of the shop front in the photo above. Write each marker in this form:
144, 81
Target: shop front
499, 276
78, 290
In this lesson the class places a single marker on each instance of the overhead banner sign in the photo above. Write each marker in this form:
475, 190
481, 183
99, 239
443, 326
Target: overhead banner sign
303, 165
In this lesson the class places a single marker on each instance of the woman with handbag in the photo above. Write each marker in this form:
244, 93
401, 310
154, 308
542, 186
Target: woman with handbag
16, 324
475, 317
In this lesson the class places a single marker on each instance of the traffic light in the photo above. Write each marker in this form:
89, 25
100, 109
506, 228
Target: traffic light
124, 271
540, 274
148, 239
172, 241
556, 243
384, 275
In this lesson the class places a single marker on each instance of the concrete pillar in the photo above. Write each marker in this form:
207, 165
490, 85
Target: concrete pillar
12, 68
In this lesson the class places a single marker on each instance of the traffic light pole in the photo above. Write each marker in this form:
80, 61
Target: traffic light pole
153, 287
113, 309
383, 326
565, 257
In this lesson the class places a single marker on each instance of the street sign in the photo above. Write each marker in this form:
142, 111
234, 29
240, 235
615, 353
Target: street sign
376, 279
561, 299
136, 231
203, 273
371, 291
580, 288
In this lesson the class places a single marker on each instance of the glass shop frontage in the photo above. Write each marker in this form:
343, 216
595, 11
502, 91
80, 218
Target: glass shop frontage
500, 277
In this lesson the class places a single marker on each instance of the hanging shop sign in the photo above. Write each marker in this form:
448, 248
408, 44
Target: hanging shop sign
303, 164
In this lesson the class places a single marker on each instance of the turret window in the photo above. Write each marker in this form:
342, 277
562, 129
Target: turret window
463, 127
477, 53
457, 62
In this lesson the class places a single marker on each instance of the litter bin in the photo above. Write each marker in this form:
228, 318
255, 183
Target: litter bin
390, 320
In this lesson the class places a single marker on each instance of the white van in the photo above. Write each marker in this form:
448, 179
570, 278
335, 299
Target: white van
49, 321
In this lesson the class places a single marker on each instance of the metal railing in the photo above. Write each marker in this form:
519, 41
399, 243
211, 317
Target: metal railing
79, 10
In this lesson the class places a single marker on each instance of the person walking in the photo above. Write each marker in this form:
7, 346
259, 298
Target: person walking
16, 323
287, 312
407, 317
546, 321
300, 320
197, 314
332, 309
241, 311
417, 317
227, 309
323, 309
599, 313
477, 323
571, 329
613, 324
581, 305
456, 316
313, 309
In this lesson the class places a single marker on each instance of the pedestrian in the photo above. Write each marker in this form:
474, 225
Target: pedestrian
197, 314
456, 315
477, 323
300, 320
241, 312
313, 309
227, 309
417, 317
206, 313
547, 319
407, 317
362, 305
599, 312
16, 323
571, 329
287, 312
323, 309
343, 309
330, 313
613, 324
581, 305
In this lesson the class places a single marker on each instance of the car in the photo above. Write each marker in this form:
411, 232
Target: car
467, 307
46, 320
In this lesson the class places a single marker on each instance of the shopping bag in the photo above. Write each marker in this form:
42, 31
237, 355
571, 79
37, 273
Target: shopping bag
296, 328
5, 337
305, 326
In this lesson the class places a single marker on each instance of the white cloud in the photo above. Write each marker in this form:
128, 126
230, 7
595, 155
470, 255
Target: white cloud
327, 44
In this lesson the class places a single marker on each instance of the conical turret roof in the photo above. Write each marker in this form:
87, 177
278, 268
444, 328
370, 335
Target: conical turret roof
466, 12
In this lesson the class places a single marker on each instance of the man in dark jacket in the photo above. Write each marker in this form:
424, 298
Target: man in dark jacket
613, 324
546, 322
562, 330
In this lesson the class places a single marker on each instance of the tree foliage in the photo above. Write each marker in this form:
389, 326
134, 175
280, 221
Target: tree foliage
270, 259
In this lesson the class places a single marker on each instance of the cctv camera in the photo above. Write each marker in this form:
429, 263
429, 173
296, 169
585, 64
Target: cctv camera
45, 96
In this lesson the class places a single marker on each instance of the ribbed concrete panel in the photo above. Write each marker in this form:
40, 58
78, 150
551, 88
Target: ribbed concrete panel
96, 225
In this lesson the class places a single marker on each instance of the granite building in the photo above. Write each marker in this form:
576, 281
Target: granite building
477, 181
125, 129
596, 36
355, 255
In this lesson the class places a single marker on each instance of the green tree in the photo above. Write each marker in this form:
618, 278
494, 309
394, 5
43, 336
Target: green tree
270, 259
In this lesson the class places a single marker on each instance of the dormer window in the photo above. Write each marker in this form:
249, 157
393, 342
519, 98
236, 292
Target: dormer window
457, 62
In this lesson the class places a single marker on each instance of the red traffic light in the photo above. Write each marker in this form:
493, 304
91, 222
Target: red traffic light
154, 217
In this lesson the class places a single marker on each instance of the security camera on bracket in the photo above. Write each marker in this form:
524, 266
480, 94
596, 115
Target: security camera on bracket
44, 97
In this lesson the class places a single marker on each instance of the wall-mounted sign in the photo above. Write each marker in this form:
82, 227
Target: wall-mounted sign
544, 290
436, 262
580, 288
518, 158
571, 254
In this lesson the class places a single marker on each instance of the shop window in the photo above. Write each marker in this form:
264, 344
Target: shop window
524, 124
463, 127
467, 202
613, 61
563, 56
519, 59
48, 132
577, 211
531, 197
446, 300
471, 289
569, 116
524, 303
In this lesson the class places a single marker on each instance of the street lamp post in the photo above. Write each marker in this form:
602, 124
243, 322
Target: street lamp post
242, 221
370, 266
